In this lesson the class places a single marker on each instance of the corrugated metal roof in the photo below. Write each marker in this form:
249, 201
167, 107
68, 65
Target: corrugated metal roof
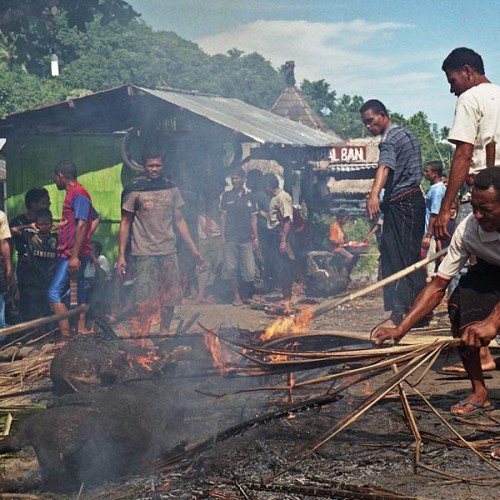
255, 123
351, 167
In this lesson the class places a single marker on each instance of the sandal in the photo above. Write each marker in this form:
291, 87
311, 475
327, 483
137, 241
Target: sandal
476, 408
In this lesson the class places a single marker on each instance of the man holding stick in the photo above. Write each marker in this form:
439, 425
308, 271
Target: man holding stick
474, 303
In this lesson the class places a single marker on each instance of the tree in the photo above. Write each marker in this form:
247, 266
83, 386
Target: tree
31, 25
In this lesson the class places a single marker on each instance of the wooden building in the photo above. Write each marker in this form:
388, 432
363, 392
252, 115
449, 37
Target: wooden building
105, 134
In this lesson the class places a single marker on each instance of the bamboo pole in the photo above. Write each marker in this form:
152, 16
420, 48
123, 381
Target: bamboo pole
330, 304
10, 330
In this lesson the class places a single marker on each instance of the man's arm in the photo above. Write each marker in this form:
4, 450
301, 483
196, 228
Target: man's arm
373, 200
80, 233
5, 246
123, 235
480, 334
255, 234
285, 229
182, 227
429, 298
459, 169
95, 222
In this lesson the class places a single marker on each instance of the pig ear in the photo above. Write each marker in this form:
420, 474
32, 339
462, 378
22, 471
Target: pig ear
124, 151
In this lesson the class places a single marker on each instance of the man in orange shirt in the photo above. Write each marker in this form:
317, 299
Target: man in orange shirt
338, 239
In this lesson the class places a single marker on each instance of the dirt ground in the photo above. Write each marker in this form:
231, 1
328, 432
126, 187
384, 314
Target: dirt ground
375, 452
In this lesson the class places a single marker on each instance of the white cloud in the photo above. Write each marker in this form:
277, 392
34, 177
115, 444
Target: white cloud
352, 56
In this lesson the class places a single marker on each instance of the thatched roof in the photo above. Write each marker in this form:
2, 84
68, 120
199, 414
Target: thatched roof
291, 104
265, 166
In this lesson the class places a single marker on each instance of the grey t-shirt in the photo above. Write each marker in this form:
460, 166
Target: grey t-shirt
152, 225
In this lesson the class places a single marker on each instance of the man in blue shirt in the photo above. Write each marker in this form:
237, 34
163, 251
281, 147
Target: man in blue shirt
433, 172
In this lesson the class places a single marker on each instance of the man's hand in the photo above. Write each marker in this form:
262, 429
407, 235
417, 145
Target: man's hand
479, 334
426, 241
373, 206
283, 246
440, 227
380, 335
255, 244
121, 265
74, 264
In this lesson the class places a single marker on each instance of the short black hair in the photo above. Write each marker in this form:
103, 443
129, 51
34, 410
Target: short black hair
486, 178
375, 105
43, 213
270, 181
461, 56
151, 153
435, 166
34, 196
67, 169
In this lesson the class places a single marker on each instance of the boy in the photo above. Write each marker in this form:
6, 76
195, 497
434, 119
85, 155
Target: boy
39, 260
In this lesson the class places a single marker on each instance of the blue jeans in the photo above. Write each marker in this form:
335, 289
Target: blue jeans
59, 286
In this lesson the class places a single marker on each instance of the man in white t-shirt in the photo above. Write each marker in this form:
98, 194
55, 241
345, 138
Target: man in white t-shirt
478, 293
475, 129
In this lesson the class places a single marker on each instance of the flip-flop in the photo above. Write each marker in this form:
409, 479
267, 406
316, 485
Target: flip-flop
476, 408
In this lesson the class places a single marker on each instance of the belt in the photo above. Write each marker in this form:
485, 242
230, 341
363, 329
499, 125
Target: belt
405, 194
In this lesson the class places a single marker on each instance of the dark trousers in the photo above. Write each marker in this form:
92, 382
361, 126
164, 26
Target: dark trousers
282, 264
402, 233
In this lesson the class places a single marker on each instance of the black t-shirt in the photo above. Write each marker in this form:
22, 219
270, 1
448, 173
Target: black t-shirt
19, 241
37, 264
239, 210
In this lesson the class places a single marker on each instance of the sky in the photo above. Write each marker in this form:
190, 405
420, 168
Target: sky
390, 50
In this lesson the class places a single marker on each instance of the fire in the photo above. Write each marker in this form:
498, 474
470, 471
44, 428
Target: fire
145, 361
286, 325
148, 314
219, 354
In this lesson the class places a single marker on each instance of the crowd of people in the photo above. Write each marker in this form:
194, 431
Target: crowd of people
250, 237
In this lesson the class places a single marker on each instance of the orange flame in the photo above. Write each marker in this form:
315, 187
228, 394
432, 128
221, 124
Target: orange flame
220, 355
148, 314
287, 325
144, 361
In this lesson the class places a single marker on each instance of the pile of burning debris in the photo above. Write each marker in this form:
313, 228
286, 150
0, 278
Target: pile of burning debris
123, 407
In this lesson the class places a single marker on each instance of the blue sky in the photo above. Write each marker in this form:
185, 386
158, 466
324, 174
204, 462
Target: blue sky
391, 50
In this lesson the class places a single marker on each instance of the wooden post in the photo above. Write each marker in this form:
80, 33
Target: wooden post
330, 304
10, 330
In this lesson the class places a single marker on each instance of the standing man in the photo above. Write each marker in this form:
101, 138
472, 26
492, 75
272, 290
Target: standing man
433, 172
79, 220
151, 209
474, 303
279, 222
399, 173
238, 225
476, 126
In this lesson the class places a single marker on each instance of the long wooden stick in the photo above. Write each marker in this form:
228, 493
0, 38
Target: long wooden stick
330, 304
10, 330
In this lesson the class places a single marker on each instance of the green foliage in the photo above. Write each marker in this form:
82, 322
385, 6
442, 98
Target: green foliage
19, 91
29, 26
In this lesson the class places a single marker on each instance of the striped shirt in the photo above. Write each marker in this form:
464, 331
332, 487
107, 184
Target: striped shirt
400, 152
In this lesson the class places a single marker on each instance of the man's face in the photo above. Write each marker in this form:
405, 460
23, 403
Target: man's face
237, 181
153, 168
42, 203
376, 123
486, 208
429, 173
59, 180
459, 81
